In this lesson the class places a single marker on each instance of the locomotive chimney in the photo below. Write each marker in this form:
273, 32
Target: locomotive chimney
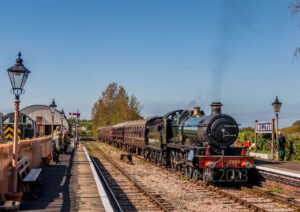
196, 112
216, 108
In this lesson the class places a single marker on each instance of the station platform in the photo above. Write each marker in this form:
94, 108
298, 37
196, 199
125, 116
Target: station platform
288, 168
70, 185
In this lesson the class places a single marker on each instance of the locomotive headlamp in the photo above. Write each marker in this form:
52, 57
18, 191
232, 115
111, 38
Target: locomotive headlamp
248, 165
211, 165
18, 75
276, 105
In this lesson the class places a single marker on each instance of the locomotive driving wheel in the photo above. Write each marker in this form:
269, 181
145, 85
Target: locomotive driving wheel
207, 176
172, 163
196, 174
188, 172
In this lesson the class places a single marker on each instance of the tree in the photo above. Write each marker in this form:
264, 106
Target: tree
115, 106
297, 123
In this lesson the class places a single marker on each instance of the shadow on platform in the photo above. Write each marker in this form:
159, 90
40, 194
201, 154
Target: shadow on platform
55, 194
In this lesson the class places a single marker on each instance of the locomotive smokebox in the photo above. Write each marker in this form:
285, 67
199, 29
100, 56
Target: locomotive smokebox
196, 112
216, 108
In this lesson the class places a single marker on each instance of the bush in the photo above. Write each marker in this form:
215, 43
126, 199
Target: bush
292, 148
263, 144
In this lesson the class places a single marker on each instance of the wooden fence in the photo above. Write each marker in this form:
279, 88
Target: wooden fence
35, 149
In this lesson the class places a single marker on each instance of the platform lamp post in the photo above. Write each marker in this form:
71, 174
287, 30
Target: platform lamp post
62, 116
18, 75
53, 107
276, 106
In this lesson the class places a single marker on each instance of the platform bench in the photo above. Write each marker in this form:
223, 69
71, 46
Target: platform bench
29, 178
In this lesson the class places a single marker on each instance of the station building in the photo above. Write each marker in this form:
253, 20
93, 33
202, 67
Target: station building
27, 126
41, 114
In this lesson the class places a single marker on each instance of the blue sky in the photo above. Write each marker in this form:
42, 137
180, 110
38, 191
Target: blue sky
171, 54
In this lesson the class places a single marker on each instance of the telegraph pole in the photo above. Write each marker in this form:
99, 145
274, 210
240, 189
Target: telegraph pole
77, 115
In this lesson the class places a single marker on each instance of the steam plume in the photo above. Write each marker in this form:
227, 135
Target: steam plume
232, 23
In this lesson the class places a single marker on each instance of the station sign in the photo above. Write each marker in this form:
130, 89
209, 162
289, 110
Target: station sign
75, 114
264, 127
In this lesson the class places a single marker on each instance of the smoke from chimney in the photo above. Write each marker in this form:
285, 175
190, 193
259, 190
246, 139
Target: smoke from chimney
232, 24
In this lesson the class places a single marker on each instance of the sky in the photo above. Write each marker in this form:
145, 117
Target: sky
170, 54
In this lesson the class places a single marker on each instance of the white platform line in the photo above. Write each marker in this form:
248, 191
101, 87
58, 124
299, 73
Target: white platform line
101, 191
286, 173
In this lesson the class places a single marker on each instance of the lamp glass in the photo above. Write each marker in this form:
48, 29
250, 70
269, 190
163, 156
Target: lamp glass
62, 114
18, 75
276, 107
52, 110
53, 107
17, 79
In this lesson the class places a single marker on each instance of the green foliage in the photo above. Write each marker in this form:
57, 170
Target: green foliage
263, 143
247, 129
292, 148
246, 135
291, 130
85, 127
276, 189
115, 106
297, 124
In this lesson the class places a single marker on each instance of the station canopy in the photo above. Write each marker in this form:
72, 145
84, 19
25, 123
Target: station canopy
42, 116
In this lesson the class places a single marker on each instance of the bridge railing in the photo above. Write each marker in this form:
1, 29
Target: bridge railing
35, 149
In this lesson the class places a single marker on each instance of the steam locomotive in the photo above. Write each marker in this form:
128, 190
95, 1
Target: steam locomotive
197, 145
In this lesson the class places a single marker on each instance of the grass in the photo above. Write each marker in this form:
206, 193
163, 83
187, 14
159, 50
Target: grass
276, 189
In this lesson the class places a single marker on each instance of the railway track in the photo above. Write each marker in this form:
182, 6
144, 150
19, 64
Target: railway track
240, 199
127, 193
254, 198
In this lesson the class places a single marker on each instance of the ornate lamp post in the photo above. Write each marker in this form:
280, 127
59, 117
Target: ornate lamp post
62, 116
52, 108
276, 106
18, 75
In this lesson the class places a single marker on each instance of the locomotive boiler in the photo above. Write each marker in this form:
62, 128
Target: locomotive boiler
197, 145
217, 129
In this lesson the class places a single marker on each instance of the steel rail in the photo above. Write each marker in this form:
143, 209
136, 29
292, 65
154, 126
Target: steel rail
135, 182
232, 197
105, 182
289, 201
